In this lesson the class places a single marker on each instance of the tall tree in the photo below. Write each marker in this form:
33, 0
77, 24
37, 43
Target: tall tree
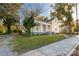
29, 23
29, 18
9, 13
62, 10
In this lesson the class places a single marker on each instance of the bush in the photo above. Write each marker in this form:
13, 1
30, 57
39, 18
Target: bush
64, 31
2, 29
16, 29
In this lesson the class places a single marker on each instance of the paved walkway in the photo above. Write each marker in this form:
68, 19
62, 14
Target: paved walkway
60, 48
5, 48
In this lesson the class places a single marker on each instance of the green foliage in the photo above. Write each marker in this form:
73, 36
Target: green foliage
8, 22
9, 9
63, 10
9, 13
29, 23
3, 29
16, 28
29, 17
23, 43
76, 28
64, 31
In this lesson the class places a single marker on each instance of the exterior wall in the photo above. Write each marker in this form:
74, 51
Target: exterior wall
55, 26
43, 27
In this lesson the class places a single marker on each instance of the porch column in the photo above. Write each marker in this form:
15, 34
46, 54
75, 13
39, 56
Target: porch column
41, 29
46, 27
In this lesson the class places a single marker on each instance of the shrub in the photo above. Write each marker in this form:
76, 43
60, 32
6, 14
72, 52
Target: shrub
2, 29
64, 31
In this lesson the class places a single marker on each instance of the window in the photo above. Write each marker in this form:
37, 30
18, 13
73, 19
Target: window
37, 28
56, 29
44, 27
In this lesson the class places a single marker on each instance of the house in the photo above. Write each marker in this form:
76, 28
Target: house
45, 26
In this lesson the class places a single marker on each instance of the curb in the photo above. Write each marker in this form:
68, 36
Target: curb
69, 54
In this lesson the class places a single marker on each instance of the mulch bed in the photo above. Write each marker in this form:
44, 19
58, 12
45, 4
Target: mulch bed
76, 51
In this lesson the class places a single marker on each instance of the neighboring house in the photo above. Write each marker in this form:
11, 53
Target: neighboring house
45, 26
55, 25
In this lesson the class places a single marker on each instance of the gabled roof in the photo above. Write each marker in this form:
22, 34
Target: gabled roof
41, 18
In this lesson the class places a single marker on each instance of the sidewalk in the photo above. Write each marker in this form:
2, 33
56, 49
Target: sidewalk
60, 48
5, 48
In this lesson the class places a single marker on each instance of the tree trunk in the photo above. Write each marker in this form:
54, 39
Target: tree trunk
8, 30
29, 31
70, 29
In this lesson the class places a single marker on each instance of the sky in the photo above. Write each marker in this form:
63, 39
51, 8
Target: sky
45, 9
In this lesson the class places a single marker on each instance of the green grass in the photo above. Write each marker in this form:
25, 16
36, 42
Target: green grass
23, 44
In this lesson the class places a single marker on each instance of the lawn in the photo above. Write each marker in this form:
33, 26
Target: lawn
23, 44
